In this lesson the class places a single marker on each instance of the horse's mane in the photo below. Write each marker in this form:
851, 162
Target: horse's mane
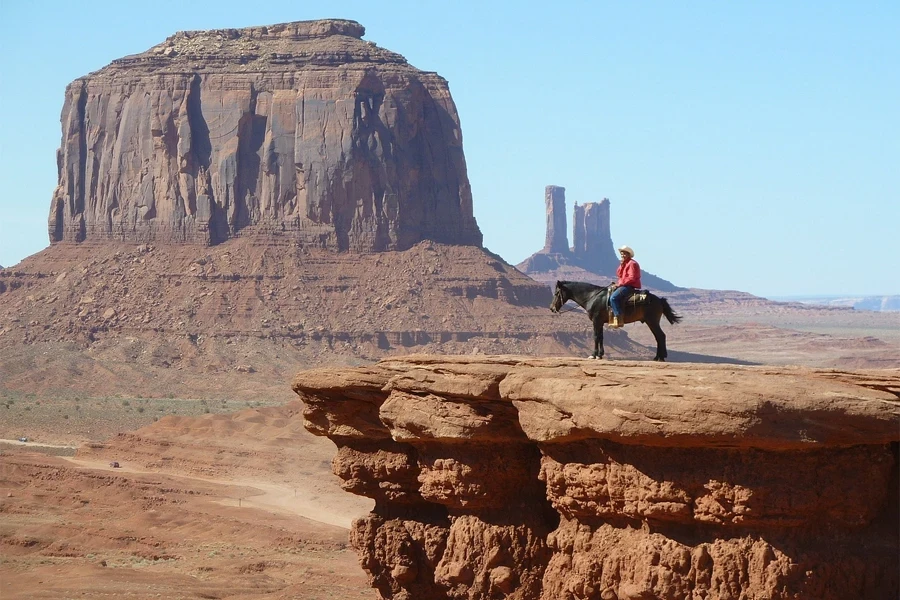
583, 285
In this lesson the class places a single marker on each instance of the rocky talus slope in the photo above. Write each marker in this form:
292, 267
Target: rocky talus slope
554, 479
240, 317
303, 130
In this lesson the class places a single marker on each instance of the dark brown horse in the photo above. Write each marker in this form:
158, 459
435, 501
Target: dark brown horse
595, 300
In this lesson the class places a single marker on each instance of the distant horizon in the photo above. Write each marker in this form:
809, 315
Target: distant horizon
746, 147
829, 297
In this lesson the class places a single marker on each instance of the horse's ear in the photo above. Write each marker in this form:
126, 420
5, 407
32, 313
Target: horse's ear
557, 283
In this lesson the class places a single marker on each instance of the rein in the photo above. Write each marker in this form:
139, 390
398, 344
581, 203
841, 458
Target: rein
561, 311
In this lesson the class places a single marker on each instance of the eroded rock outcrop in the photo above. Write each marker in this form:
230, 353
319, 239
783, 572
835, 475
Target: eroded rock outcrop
591, 237
592, 257
300, 130
555, 479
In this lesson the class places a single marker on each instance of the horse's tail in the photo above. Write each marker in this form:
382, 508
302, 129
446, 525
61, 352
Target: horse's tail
669, 313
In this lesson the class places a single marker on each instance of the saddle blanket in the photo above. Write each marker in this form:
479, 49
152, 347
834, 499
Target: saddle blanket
638, 297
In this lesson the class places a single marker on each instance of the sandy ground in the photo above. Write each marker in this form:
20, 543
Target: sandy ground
185, 515
280, 499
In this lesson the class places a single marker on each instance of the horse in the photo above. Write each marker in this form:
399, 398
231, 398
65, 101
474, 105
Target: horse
595, 300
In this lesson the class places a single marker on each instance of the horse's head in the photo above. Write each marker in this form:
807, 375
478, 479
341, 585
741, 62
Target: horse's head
560, 297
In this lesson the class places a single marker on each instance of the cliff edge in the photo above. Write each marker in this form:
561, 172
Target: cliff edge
565, 479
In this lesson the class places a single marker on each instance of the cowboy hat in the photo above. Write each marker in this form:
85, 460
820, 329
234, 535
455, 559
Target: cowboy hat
628, 250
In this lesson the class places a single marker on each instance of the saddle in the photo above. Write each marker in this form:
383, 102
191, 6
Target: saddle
637, 298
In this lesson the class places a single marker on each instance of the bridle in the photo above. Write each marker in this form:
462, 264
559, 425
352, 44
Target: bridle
558, 295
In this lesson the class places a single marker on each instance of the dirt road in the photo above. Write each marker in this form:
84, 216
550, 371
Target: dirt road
265, 496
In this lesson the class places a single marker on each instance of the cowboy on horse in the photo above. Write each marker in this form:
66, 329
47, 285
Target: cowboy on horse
618, 304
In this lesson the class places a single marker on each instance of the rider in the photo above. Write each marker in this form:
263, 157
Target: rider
629, 280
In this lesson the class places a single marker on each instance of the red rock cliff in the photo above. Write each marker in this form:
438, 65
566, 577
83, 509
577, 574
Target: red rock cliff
561, 479
300, 129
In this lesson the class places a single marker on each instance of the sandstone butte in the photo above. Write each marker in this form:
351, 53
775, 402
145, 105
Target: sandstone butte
300, 130
289, 189
564, 479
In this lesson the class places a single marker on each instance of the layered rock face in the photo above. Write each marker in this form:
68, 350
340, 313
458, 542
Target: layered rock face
301, 130
555, 479
243, 316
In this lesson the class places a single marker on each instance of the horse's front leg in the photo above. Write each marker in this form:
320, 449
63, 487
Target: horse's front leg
598, 337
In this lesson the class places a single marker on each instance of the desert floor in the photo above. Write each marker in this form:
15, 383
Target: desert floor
220, 496
192, 511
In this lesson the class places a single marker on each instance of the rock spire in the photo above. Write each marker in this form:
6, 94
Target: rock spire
593, 244
592, 258
555, 201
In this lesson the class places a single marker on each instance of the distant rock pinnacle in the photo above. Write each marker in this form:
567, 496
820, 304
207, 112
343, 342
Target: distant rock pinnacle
592, 257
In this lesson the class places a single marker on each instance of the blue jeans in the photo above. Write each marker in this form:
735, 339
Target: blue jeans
620, 295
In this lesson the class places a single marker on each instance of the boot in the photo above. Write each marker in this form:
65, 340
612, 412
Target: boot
616, 322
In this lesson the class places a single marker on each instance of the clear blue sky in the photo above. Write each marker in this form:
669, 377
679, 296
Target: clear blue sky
743, 145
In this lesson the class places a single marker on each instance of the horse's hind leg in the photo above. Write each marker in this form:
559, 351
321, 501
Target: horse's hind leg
598, 338
659, 334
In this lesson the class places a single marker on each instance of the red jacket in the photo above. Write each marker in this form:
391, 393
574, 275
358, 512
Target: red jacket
629, 273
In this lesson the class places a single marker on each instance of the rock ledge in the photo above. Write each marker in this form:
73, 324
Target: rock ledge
511, 477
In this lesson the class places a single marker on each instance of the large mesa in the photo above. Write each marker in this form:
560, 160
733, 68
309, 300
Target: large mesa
301, 130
